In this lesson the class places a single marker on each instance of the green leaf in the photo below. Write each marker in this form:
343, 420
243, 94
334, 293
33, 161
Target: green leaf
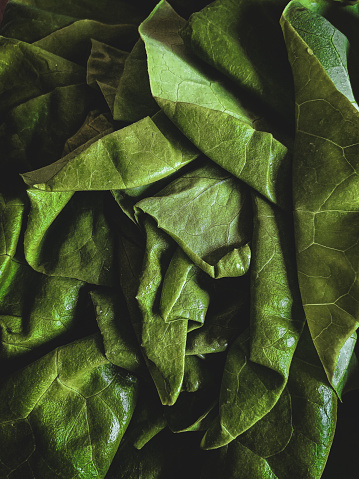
27, 318
295, 437
182, 294
65, 413
227, 317
34, 132
133, 100
257, 365
163, 343
324, 187
119, 340
218, 242
69, 236
95, 126
28, 23
73, 42
108, 11
28, 71
112, 161
207, 111
12, 210
260, 68
105, 66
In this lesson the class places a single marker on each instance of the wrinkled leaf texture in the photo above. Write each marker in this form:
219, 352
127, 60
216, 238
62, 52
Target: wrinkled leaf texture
178, 238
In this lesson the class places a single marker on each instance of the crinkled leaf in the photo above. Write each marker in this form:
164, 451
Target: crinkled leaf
163, 343
95, 126
28, 71
113, 161
217, 242
34, 132
65, 413
227, 317
325, 186
182, 294
256, 373
27, 319
119, 340
104, 69
69, 236
28, 23
294, 438
108, 11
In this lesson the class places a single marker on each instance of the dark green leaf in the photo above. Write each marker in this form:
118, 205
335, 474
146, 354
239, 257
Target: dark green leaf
133, 99
65, 413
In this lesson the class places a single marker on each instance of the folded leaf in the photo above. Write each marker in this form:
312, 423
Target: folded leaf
217, 242
27, 318
133, 99
104, 69
112, 161
69, 236
29, 71
34, 132
94, 127
163, 343
182, 294
207, 111
108, 11
260, 68
324, 186
227, 317
294, 438
119, 340
73, 42
257, 365
28, 23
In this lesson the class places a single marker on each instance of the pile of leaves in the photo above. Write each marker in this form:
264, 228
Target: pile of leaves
179, 290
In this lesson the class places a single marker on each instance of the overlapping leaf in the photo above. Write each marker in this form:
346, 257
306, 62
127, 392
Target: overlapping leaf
208, 112
217, 242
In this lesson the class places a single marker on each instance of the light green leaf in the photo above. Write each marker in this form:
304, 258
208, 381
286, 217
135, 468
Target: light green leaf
121, 347
207, 111
325, 186
217, 242
112, 161
182, 294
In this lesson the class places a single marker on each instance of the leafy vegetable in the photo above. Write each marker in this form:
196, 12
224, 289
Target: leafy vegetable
178, 239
